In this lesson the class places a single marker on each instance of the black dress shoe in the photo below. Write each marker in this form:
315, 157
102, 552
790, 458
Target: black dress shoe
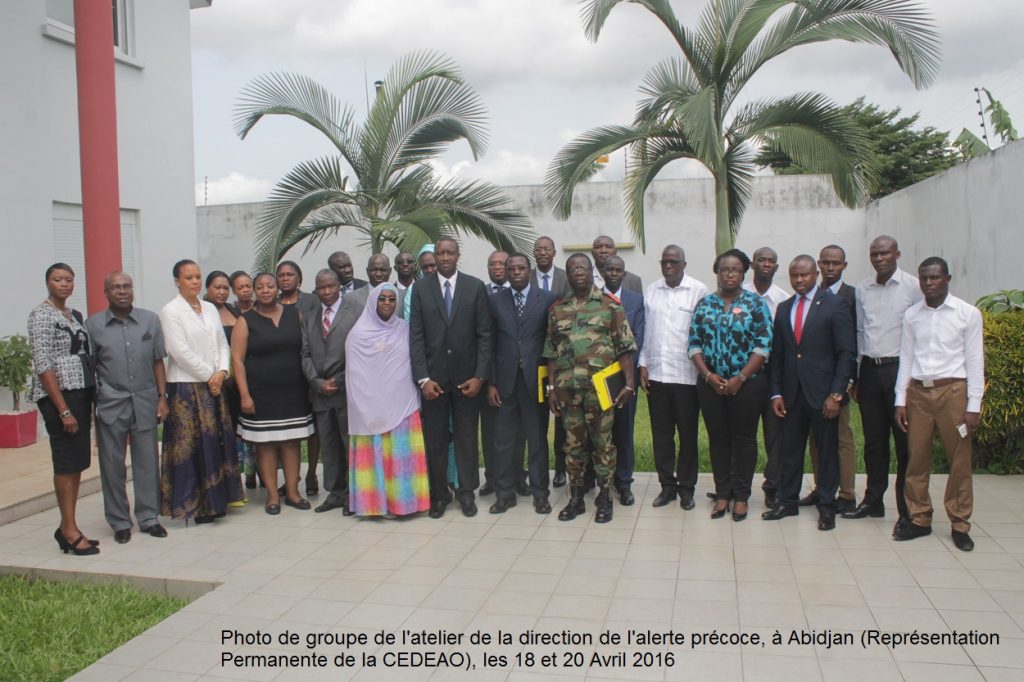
272, 509
963, 541
686, 501
541, 505
208, 518
329, 504
156, 530
437, 509
559, 480
844, 505
809, 500
301, 504
865, 510
502, 505
771, 500
900, 522
522, 489
626, 497
711, 495
486, 489
827, 522
780, 511
468, 508
911, 531
347, 511
122, 536
664, 497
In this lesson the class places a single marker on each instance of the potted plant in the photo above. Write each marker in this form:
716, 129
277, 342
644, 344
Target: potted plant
17, 428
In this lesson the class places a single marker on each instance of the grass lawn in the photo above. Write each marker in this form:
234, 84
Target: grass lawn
50, 631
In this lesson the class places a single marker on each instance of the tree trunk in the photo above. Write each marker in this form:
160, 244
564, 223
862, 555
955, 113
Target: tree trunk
723, 235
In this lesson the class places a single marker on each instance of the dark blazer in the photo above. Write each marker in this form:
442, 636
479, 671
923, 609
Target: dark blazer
559, 283
633, 283
449, 351
849, 294
634, 305
824, 361
358, 283
518, 343
324, 358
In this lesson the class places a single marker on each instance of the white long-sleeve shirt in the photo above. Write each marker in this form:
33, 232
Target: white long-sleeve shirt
943, 343
880, 309
196, 345
667, 313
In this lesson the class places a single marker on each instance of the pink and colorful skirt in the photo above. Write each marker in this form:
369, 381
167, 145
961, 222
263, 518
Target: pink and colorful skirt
387, 472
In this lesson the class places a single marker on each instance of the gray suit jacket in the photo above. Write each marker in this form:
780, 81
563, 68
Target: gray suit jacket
633, 283
559, 283
324, 357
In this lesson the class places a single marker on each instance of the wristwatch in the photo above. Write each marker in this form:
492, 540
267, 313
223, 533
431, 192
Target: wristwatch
65, 413
838, 397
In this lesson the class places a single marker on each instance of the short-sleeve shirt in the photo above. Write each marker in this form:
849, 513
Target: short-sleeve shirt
125, 350
727, 335
57, 343
585, 338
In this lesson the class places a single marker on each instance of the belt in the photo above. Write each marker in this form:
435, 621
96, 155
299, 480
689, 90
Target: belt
880, 361
931, 383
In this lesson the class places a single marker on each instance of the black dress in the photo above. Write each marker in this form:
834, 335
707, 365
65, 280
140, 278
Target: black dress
273, 371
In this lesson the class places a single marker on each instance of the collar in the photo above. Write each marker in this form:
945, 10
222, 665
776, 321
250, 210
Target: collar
684, 283
836, 287
333, 308
616, 294
442, 279
897, 278
550, 273
810, 295
109, 316
525, 292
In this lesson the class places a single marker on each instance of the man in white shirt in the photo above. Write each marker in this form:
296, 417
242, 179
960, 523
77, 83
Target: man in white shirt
882, 301
940, 385
669, 377
765, 264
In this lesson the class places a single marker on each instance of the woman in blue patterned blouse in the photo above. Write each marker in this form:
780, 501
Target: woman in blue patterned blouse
730, 340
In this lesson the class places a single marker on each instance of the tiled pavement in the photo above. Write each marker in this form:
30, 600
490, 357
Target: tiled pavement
650, 569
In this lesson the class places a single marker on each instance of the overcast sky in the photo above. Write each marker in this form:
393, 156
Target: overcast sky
540, 79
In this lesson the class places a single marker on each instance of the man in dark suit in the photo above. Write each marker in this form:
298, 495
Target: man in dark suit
604, 248
519, 317
341, 263
831, 264
549, 277
814, 351
450, 348
622, 431
323, 364
488, 413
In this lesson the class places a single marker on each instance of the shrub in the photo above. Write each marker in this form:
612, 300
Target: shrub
1002, 301
15, 366
999, 442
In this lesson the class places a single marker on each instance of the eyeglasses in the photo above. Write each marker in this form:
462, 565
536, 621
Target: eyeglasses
404, 261
671, 261
120, 287
387, 299
730, 271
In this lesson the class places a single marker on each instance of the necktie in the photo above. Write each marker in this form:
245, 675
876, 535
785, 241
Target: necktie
327, 321
546, 283
520, 304
448, 299
798, 324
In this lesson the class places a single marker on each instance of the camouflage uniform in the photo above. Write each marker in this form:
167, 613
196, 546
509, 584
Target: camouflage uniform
582, 340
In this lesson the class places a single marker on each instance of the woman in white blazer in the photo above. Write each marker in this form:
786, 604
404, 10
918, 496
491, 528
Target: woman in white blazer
199, 474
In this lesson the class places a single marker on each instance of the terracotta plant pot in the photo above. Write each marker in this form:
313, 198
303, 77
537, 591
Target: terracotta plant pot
18, 429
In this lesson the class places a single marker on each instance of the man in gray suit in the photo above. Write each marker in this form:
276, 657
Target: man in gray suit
323, 363
547, 276
604, 248
129, 351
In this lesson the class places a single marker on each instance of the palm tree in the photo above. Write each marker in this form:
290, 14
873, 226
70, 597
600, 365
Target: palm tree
422, 106
690, 110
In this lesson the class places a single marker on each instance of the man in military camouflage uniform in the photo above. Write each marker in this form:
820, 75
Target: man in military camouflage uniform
587, 331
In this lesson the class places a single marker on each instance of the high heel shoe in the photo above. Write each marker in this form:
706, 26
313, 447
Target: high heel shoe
719, 513
66, 546
738, 516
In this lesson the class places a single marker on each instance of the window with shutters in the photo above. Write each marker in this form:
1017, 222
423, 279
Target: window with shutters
69, 246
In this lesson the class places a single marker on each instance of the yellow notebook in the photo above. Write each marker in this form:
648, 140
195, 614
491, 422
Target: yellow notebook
608, 383
542, 375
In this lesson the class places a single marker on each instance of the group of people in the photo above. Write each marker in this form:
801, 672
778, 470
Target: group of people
391, 385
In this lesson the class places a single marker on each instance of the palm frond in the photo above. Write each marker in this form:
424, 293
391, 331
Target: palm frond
816, 134
305, 99
483, 210
573, 161
646, 160
666, 86
698, 117
739, 168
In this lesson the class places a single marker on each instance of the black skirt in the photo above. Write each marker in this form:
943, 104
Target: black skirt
71, 454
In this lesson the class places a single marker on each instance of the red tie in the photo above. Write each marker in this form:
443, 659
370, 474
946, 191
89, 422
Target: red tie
798, 325
327, 321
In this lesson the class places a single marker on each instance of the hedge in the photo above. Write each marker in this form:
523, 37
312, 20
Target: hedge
999, 442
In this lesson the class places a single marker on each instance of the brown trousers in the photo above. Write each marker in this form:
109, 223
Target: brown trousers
847, 455
940, 408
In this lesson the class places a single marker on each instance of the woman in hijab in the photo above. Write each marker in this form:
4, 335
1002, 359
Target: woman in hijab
386, 455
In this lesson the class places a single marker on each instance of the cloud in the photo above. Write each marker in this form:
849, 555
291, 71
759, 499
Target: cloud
233, 188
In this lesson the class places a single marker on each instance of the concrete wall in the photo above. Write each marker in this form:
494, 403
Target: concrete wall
39, 139
794, 214
970, 215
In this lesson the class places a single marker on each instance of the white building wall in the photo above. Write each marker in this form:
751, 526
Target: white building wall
39, 139
971, 215
794, 214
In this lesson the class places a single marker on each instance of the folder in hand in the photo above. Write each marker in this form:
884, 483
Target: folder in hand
608, 383
542, 376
